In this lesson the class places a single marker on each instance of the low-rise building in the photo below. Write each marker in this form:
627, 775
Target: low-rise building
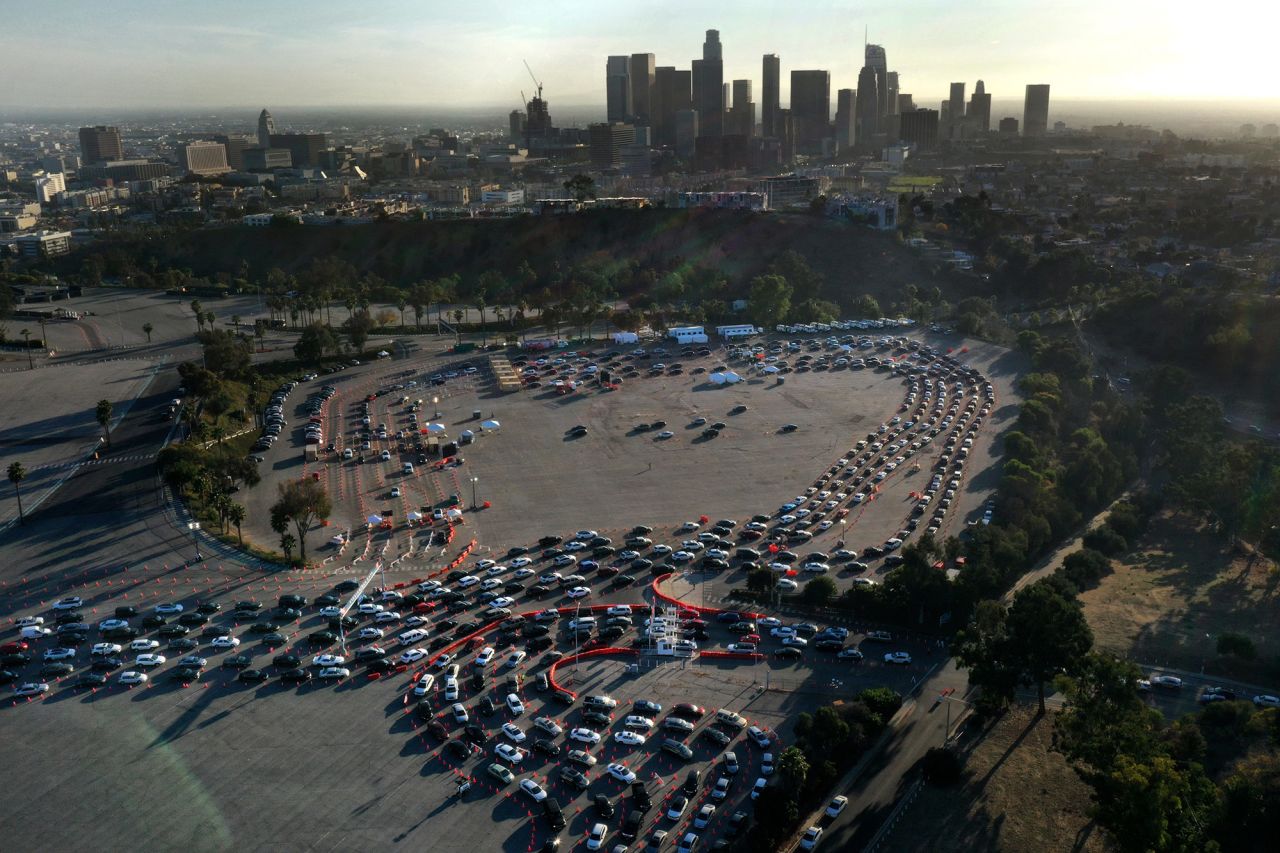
44, 244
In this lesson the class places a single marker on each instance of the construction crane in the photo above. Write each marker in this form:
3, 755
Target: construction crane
532, 77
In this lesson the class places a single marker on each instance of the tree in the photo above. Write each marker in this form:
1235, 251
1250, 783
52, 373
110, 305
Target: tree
313, 343
1047, 634
866, 307
1156, 805
358, 329
103, 416
17, 473
759, 580
793, 768
198, 310
236, 515
287, 544
1240, 645
769, 301
302, 502
581, 187
1104, 716
819, 591
147, 329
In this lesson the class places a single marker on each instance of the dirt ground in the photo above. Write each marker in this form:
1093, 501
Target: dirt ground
1016, 795
1169, 600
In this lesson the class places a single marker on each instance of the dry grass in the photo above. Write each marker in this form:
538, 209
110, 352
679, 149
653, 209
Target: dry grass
1168, 601
1016, 795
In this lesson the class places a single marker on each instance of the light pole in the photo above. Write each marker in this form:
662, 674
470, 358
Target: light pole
194, 527
435, 404
26, 339
474, 480
948, 699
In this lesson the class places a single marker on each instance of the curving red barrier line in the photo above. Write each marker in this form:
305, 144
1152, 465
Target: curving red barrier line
593, 653
659, 594
732, 655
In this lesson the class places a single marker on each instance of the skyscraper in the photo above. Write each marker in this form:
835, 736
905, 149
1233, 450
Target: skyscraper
980, 108
875, 60
203, 157
515, 121
266, 127
1035, 110
617, 88
868, 109
919, 127
769, 96
846, 132
606, 141
672, 92
892, 106
100, 143
686, 133
642, 78
955, 106
708, 86
811, 108
744, 109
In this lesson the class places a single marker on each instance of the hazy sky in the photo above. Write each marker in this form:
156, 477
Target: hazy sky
99, 54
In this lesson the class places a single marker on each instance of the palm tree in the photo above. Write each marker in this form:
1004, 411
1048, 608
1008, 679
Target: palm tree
209, 318
16, 475
103, 414
287, 544
147, 329
402, 304
236, 514
218, 433
198, 310
235, 320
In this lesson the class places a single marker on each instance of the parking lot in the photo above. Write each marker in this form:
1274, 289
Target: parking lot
309, 756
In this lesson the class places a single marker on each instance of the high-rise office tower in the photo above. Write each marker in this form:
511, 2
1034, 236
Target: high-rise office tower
266, 127
868, 108
305, 149
769, 105
686, 135
100, 143
1008, 126
605, 143
642, 79
235, 144
537, 123
846, 131
892, 107
617, 88
515, 129
672, 92
811, 108
905, 102
955, 105
919, 127
744, 109
1035, 110
980, 108
875, 60
708, 86
203, 157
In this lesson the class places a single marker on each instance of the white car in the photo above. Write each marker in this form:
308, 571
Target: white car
1171, 682
578, 592
168, 608
490, 583
59, 654
71, 602
586, 534
386, 616
132, 676
522, 573
143, 645
742, 648
110, 624
533, 789
103, 649
481, 565
811, 837
704, 816
549, 726
460, 715
495, 570
30, 621
782, 631
769, 622
467, 581
595, 838
225, 642
514, 705
622, 773
837, 805
512, 731
584, 735
369, 634
521, 562
369, 608
31, 688
629, 738
681, 557
565, 560
502, 601
413, 655
618, 610
451, 689
408, 638
509, 753
334, 672
797, 642
635, 721
150, 660
328, 660
1266, 701
515, 659
485, 657
550, 578
424, 684
901, 658
332, 612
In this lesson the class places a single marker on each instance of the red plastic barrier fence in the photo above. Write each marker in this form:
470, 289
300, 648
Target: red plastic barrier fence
658, 593
732, 655
593, 653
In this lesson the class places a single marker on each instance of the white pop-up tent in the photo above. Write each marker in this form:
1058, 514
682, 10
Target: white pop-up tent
374, 519
490, 425
717, 378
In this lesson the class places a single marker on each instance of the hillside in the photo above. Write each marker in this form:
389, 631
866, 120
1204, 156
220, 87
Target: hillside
853, 259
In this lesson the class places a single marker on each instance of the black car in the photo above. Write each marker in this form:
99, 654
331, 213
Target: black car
274, 640
56, 669
538, 590
829, 644
327, 600
710, 433
576, 778
184, 644
458, 748
73, 638
546, 747
437, 730
107, 664
186, 674
640, 798
211, 631
486, 706
286, 614
603, 805
66, 617
624, 580
152, 620
600, 719
124, 633
474, 732
381, 665
193, 619
368, 654
737, 823
347, 586
291, 601
236, 662
91, 680
873, 551
208, 608
126, 612
296, 676
322, 638
286, 661
262, 628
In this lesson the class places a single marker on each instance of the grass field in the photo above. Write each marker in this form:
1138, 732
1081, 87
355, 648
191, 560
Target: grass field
1168, 600
1015, 795
913, 183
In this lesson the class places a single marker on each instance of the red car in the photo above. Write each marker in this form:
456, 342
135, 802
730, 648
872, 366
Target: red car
750, 638
13, 648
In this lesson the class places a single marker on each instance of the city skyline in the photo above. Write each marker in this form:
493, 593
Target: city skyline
470, 58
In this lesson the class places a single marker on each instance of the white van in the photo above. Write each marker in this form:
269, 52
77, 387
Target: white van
34, 632
407, 469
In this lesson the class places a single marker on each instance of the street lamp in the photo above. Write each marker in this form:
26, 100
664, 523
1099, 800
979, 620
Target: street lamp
194, 527
435, 404
26, 339
474, 480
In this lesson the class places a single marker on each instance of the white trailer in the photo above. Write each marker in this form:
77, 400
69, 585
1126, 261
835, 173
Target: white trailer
740, 331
